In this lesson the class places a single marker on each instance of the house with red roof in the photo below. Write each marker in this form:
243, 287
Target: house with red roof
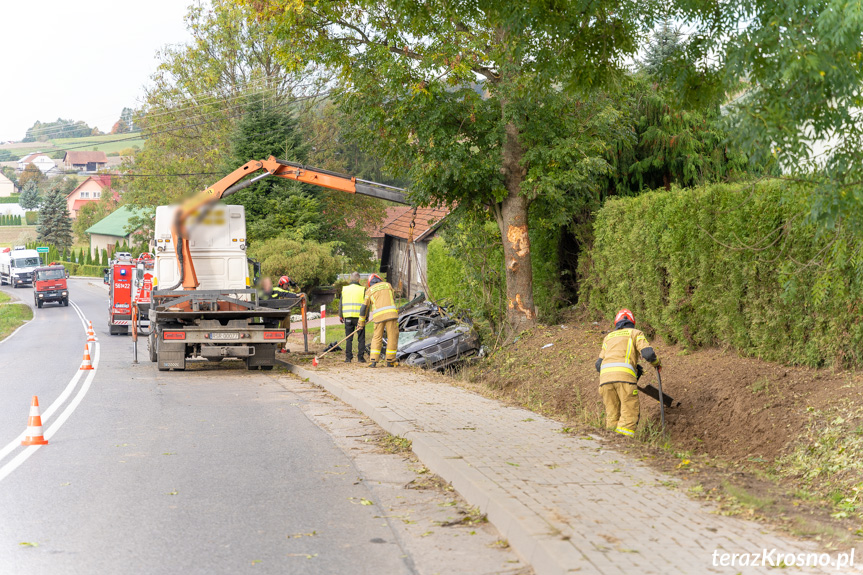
79, 161
44, 163
405, 247
90, 190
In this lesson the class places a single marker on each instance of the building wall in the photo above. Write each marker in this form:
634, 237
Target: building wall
396, 268
7, 188
44, 163
103, 242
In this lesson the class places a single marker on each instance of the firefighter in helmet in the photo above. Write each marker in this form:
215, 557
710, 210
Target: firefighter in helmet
380, 302
619, 370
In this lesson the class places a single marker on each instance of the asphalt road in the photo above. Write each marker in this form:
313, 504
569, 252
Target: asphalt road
213, 470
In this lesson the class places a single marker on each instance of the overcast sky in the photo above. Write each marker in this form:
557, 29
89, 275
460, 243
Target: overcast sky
80, 60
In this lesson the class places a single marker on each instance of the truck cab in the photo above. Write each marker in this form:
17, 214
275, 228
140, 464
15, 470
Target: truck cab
17, 266
49, 285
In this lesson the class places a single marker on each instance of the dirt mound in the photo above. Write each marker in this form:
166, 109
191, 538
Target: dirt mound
732, 407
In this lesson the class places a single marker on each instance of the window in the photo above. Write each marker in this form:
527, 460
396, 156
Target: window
85, 194
97, 194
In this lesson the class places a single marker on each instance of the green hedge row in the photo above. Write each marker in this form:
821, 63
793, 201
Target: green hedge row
13, 199
731, 264
83, 270
10, 220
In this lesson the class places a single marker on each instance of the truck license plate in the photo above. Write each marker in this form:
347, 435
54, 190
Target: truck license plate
224, 335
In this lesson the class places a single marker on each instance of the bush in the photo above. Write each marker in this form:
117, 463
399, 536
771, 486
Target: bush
307, 262
731, 264
31, 218
83, 270
13, 199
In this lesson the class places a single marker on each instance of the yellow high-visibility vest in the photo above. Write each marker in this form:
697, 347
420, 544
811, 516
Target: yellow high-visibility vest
353, 296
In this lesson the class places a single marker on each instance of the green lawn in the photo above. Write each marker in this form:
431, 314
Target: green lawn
4, 297
82, 144
12, 316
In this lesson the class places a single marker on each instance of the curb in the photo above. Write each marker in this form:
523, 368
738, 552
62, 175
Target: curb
529, 535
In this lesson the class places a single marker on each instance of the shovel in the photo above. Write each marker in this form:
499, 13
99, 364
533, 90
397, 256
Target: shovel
317, 357
661, 401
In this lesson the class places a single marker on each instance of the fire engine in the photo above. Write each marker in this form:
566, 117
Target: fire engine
118, 276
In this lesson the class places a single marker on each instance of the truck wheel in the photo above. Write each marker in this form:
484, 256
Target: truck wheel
39, 304
151, 346
66, 302
267, 367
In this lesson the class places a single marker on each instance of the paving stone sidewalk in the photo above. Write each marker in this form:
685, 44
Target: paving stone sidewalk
565, 504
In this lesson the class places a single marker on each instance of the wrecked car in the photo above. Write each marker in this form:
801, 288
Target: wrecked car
432, 338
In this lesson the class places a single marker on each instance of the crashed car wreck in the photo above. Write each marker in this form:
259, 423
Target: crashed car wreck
431, 338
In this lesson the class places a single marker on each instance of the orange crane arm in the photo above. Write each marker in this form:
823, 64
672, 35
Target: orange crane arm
235, 181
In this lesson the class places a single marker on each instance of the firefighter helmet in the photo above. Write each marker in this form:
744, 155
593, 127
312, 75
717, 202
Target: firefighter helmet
284, 281
374, 279
624, 314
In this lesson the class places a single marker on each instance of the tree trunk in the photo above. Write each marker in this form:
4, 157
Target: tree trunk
511, 215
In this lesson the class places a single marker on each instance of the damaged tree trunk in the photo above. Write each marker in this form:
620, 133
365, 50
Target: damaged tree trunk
511, 216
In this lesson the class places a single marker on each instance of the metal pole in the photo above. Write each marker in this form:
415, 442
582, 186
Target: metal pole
304, 311
135, 333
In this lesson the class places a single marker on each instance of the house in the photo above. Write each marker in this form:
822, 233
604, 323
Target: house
45, 164
90, 190
406, 268
376, 233
85, 161
7, 188
112, 230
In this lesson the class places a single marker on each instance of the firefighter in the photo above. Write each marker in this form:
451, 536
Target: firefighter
381, 303
353, 296
267, 292
619, 370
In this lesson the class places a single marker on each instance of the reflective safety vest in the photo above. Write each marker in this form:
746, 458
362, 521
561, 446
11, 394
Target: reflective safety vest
380, 299
620, 353
353, 296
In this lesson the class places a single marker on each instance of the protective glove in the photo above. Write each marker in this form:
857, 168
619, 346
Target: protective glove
361, 324
341, 319
639, 371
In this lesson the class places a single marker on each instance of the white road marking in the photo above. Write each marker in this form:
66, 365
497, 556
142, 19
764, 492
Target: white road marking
67, 391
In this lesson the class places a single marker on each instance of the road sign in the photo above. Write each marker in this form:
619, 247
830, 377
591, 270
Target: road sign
42, 250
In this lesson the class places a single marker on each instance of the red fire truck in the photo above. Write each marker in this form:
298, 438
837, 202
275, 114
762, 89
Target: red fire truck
142, 287
118, 276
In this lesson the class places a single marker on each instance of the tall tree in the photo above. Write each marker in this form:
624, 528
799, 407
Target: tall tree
32, 174
29, 198
470, 100
55, 225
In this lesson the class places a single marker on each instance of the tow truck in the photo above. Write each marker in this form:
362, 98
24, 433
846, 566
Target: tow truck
202, 304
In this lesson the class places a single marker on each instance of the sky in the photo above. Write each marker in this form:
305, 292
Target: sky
80, 60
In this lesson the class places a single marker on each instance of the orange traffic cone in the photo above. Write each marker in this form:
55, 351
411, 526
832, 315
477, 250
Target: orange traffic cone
87, 364
91, 335
34, 426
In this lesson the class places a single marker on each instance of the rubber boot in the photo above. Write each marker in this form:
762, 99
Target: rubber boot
374, 363
393, 363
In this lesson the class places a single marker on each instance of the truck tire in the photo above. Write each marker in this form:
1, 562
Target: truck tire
66, 302
39, 304
112, 329
151, 346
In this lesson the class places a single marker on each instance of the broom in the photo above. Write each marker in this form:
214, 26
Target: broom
317, 357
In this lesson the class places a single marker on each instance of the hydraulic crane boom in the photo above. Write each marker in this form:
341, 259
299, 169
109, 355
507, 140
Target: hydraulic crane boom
234, 182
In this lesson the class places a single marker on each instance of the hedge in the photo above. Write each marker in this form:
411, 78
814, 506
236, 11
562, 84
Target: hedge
31, 218
731, 264
13, 199
83, 270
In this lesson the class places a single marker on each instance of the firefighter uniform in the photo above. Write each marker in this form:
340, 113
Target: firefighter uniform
618, 367
353, 296
380, 303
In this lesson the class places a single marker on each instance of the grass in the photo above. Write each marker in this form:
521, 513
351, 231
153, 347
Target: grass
13, 316
80, 144
394, 444
337, 332
4, 297
746, 498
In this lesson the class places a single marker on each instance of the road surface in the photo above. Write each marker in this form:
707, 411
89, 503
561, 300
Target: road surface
206, 471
